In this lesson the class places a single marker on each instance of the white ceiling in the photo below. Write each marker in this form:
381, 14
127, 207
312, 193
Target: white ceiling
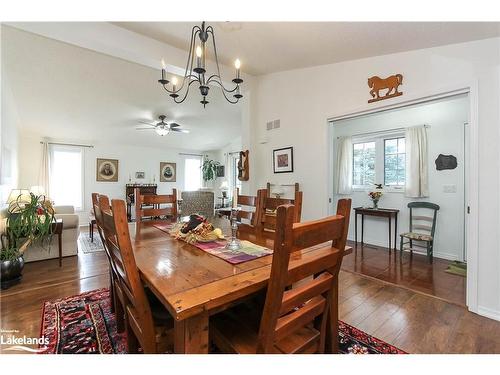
266, 47
70, 93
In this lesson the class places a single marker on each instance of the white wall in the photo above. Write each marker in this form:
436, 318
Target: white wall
446, 120
8, 143
131, 159
305, 98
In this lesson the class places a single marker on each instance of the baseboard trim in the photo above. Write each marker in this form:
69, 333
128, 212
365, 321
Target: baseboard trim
489, 313
437, 254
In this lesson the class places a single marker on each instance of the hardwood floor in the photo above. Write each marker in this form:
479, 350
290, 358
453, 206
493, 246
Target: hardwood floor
411, 272
412, 321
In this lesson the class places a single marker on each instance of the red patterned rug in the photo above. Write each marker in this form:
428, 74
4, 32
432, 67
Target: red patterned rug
84, 324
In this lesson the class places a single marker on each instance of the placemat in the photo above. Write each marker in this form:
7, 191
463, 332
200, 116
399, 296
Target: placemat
248, 251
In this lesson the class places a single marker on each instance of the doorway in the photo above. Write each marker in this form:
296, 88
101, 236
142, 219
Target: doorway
378, 158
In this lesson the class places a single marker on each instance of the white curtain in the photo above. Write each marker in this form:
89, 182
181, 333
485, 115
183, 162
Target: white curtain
44, 175
417, 179
344, 165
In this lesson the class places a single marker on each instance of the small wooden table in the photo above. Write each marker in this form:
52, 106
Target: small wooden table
380, 212
57, 228
193, 284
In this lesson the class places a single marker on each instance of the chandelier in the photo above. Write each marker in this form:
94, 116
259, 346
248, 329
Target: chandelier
196, 71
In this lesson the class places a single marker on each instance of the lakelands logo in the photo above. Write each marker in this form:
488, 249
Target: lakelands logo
20, 343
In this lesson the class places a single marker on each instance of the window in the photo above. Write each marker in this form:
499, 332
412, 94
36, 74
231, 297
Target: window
192, 173
66, 175
394, 162
379, 159
363, 164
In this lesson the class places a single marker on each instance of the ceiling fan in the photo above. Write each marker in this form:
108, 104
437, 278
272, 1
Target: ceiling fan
162, 128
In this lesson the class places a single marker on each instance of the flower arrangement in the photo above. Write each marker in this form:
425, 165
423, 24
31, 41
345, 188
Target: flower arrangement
376, 195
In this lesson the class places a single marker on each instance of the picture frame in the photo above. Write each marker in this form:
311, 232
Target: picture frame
219, 171
168, 172
283, 160
140, 175
106, 170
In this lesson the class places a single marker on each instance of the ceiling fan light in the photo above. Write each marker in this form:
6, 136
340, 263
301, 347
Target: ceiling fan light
161, 130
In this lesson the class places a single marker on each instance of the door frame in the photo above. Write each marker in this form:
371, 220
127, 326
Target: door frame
471, 180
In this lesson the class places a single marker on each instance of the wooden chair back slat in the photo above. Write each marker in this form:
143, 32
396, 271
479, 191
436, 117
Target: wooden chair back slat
288, 310
248, 210
162, 205
266, 207
117, 237
423, 218
422, 227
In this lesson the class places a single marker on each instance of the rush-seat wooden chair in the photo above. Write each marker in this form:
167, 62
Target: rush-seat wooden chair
147, 321
418, 231
293, 320
154, 206
267, 206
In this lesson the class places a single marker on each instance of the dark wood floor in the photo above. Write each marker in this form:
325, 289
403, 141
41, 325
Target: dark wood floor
414, 322
412, 272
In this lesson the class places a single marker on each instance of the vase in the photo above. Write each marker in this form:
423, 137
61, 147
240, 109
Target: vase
375, 203
11, 272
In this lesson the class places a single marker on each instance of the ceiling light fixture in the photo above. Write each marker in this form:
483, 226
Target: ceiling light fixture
196, 70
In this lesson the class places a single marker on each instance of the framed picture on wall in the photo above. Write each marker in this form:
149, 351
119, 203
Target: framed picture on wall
168, 172
107, 170
219, 171
283, 160
140, 175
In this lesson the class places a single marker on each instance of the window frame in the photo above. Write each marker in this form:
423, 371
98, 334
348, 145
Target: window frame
189, 157
379, 140
363, 141
52, 149
385, 139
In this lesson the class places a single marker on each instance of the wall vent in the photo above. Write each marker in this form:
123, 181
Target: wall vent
275, 124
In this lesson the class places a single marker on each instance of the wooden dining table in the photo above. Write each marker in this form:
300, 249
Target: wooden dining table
193, 284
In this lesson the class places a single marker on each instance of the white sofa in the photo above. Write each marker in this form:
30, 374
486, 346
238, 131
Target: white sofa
71, 231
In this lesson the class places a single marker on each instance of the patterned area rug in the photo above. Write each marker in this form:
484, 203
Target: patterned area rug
84, 324
88, 246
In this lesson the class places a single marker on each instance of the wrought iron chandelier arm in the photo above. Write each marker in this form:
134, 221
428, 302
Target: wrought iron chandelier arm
189, 65
216, 79
178, 101
210, 31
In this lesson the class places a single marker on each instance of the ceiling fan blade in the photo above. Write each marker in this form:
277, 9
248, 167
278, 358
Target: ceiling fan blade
173, 125
145, 128
179, 130
146, 123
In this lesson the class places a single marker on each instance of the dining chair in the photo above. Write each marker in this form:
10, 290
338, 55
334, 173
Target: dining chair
267, 207
247, 215
116, 295
154, 206
147, 322
419, 229
297, 319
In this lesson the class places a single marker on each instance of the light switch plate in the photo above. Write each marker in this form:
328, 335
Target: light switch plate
449, 188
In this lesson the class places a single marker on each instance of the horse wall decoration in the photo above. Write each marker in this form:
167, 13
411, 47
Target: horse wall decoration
390, 84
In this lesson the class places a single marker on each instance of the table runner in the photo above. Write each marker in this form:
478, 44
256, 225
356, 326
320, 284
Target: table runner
248, 251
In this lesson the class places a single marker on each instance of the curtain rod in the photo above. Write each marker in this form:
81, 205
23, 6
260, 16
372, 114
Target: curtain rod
383, 131
186, 154
67, 144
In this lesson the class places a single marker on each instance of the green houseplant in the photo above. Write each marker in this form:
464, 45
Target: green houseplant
209, 169
29, 221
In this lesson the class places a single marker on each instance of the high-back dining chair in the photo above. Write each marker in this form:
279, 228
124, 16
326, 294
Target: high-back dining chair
421, 228
267, 208
154, 206
247, 215
116, 295
146, 319
293, 320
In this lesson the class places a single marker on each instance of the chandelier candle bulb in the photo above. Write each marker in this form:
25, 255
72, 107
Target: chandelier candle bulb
237, 65
174, 83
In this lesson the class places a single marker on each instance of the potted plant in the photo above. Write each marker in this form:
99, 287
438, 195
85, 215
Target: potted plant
29, 221
209, 169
